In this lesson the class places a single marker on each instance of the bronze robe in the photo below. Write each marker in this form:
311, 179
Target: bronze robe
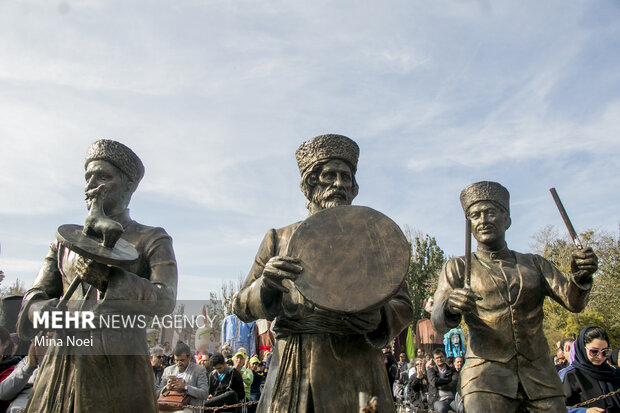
115, 374
319, 363
507, 346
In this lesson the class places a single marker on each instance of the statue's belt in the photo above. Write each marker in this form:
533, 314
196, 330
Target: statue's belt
339, 324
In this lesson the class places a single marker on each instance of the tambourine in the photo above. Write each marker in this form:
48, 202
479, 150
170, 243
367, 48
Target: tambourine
354, 258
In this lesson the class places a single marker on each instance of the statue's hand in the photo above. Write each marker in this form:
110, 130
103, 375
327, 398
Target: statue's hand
36, 353
42, 307
93, 272
462, 300
584, 263
279, 269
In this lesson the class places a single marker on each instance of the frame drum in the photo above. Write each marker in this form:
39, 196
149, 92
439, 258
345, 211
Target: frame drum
353, 258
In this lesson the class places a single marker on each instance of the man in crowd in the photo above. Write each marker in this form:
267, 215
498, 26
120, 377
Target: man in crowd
457, 404
507, 366
225, 384
167, 351
566, 347
246, 374
258, 381
428, 360
267, 360
204, 361
185, 376
441, 383
117, 359
402, 377
391, 365
418, 385
560, 360
227, 352
403, 364
157, 362
321, 360
458, 364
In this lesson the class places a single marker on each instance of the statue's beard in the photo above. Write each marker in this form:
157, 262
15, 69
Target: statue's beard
326, 197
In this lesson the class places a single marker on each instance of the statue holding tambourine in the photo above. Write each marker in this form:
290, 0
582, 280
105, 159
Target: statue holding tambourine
335, 286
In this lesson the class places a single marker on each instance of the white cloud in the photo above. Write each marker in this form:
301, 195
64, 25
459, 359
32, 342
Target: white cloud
216, 96
17, 266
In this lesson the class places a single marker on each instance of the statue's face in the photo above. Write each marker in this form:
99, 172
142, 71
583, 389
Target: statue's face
488, 222
334, 185
118, 185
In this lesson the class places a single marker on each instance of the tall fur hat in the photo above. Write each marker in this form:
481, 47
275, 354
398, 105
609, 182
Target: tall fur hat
325, 147
118, 155
485, 191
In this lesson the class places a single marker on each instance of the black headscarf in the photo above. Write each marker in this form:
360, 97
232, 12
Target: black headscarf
607, 376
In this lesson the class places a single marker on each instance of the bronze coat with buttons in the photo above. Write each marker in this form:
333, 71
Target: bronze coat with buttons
507, 346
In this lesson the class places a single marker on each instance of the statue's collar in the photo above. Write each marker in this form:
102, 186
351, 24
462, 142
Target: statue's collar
487, 255
123, 218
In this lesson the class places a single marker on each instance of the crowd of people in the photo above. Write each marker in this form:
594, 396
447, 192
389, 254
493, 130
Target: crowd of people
211, 380
428, 382
586, 365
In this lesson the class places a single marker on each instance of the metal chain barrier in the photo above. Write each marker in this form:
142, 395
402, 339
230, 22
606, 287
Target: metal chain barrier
587, 402
403, 407
397, 405
215, 409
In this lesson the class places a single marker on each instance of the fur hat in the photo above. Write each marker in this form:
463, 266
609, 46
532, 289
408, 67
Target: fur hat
325, 147
118, 155
485, 191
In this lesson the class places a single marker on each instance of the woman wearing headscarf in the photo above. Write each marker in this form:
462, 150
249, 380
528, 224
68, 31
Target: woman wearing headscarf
591, 376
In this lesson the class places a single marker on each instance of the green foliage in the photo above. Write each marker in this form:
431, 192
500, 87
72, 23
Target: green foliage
426, 262
602, 309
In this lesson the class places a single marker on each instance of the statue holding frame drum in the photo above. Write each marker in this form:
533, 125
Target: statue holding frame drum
334, 284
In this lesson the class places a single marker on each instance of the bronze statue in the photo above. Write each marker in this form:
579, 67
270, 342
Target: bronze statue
323, 358
507, 364
112, 374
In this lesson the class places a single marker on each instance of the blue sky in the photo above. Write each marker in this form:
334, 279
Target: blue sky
215, 96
